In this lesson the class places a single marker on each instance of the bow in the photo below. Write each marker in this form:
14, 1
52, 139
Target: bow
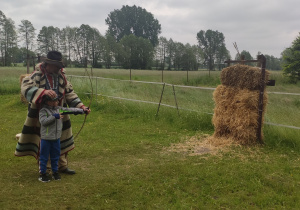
89, 103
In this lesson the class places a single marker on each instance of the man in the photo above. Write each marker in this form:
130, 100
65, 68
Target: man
48, 79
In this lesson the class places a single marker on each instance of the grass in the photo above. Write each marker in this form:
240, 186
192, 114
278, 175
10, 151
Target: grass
123, 158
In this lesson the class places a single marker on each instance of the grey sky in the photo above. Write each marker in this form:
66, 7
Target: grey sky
268, 26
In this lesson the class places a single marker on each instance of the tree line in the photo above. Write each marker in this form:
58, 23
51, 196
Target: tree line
131, 41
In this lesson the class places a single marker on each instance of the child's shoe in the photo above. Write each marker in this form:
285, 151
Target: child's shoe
56, 176
44, 178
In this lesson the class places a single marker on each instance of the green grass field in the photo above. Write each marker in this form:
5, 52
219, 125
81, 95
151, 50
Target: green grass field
126, 157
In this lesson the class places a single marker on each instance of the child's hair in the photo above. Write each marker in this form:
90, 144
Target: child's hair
48, 98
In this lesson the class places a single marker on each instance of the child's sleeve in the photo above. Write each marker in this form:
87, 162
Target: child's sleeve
44, 118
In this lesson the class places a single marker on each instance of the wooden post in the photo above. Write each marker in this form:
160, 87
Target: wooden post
262, 59
96, 90
228, 62
242, 59
187, 75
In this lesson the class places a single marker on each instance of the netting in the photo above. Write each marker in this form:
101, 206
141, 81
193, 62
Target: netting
189, 98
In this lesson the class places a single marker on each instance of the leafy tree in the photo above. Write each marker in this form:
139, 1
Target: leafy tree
160, 52
189, 61
212, 44
20, 56
86, 47
137, 52
43, 40
8, 39
68, 41
170, 52
111, 50
291, 61
222, 55
179, 49
133, 20
48, 39
2, 20
96, 48
27, 32
246, 54
272, 62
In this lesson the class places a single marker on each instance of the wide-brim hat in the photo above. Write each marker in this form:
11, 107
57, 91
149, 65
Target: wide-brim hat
55, 58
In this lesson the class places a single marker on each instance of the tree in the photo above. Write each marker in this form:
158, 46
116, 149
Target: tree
291, 61
8, 39
86, 46
246, 54
95, 45
137, 52
48, 39
272, 62
221, 56
133, 20
2, 20
179, 49
212, 43
27, 32
68, 41
160, 52
170, 52
110, 50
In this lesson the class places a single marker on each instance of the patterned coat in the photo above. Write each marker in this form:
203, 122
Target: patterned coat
32, 88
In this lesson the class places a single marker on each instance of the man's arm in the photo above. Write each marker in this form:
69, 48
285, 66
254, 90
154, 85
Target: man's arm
29, 88
72, 98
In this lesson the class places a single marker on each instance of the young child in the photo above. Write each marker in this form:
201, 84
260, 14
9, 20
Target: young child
51, 129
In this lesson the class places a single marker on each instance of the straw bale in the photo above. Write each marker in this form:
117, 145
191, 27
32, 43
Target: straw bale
236, 113
23, 99
243, 76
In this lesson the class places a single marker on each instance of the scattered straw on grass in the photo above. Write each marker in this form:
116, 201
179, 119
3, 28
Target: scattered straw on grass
206, 146
200, 145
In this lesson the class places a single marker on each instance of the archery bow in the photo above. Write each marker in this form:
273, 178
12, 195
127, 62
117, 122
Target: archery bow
89, 102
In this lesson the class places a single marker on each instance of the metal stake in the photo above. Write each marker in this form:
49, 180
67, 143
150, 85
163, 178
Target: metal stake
175, 100
162, 92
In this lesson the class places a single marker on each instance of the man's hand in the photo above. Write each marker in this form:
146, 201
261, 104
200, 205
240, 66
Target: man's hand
86, 109
50, 93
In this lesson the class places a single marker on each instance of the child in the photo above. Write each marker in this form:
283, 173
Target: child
51, 128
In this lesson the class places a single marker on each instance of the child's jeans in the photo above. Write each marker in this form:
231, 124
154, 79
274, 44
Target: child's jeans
52, 148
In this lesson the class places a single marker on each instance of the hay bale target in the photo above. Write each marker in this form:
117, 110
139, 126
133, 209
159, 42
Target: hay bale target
23, 99
237, 103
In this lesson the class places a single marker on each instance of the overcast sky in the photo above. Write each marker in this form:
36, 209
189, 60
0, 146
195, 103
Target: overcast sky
268, 26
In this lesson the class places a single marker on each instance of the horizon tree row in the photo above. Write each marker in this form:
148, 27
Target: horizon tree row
131, 41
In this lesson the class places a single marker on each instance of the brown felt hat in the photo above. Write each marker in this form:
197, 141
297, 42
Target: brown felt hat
55, 58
